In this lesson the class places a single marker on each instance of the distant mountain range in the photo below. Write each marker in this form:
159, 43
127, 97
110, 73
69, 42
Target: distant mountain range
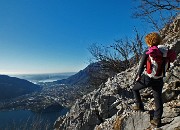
37, 78
11, 87
81, 77
92, 74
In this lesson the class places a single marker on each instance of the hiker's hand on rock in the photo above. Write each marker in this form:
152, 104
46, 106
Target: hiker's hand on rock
138, 78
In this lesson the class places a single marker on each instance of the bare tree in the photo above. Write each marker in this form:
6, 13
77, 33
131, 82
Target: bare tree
108, 64
148, 10
130, 50
115, 58
137, 46
123, 54
123, 49
108, 58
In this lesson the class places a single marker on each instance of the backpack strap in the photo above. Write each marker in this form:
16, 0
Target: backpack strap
164, 67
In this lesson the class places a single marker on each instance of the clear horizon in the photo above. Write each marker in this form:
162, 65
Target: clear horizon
42, 36
17, 73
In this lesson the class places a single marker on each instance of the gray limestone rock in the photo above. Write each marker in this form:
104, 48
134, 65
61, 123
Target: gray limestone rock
109, 107
174, 125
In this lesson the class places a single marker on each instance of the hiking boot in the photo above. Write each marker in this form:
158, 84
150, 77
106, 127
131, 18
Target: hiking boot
138, 107
156, 122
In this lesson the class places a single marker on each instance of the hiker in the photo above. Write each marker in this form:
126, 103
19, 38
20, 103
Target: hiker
152, 76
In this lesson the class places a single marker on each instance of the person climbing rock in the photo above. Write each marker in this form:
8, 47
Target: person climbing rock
154, 63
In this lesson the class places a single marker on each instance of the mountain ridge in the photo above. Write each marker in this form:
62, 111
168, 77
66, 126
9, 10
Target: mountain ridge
87, 75
11, 87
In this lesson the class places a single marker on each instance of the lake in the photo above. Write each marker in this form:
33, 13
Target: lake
27, 120
36, 78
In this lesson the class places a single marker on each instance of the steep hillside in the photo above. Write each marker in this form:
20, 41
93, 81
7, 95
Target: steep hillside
88, 76
110, 106
11, 87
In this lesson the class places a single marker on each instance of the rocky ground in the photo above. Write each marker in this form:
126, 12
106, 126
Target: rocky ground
110, 106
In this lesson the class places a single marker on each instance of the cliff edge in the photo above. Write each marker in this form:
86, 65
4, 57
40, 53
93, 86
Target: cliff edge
110, 106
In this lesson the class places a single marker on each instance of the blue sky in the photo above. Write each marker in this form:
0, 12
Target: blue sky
47, 36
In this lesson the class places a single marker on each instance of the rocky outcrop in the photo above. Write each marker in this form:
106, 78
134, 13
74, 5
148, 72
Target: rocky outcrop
110, 106
171, 34
99, 105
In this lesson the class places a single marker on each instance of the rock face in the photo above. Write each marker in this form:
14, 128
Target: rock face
110, 106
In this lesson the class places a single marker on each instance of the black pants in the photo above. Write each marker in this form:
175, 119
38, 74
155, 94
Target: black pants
156, 85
